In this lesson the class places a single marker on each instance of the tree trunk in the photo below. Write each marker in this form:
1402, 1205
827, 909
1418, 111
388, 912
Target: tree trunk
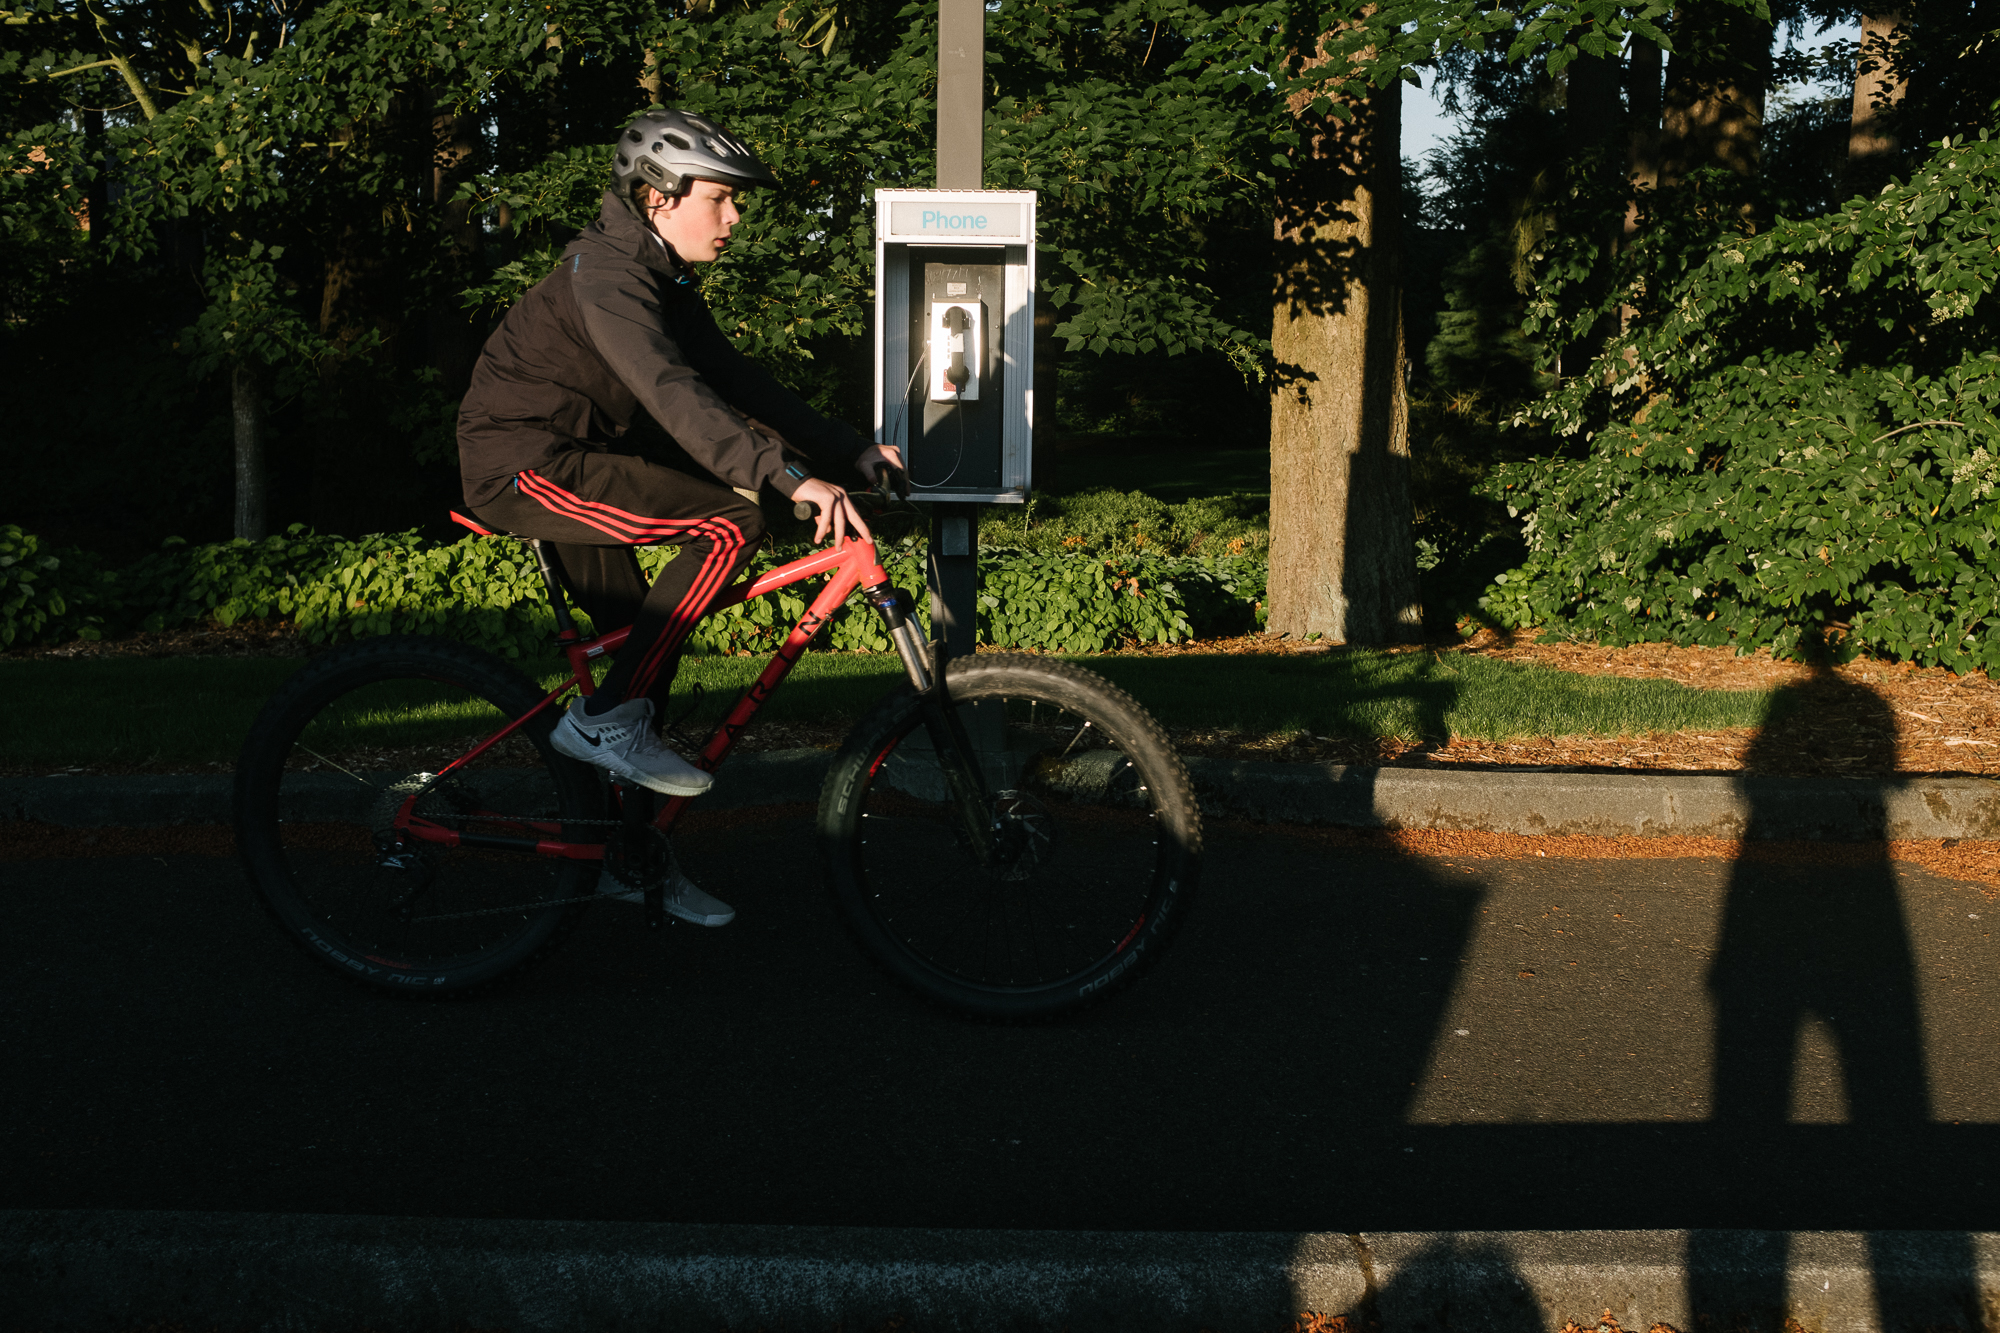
246, 402
1343, 555
1878, 87
361, 482
650, 83
553, 119
1592, 113
1643, 70
97, 199
1714, 108
1048, 365
454, 338
1642, 117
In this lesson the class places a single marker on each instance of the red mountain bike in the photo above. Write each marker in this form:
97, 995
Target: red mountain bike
402, 814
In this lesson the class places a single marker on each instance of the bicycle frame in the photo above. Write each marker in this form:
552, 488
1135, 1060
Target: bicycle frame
855, 564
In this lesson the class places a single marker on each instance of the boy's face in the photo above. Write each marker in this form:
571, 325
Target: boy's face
697, 223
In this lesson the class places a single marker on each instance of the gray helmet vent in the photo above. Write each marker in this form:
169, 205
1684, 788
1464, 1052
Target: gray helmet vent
679, 148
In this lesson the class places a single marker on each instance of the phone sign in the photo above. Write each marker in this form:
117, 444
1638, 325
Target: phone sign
959, 221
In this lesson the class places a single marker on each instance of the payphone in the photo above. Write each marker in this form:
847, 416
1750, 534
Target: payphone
954, 340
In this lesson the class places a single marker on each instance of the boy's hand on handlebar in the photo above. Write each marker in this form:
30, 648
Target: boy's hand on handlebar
833, 511
875, 457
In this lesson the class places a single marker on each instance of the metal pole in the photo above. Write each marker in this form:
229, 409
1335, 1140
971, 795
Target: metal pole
961, 101
961, 165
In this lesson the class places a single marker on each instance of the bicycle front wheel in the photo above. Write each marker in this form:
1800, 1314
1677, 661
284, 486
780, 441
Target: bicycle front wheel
336, 756
1094, 852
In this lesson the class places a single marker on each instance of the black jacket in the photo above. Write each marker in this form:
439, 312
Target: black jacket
616, 328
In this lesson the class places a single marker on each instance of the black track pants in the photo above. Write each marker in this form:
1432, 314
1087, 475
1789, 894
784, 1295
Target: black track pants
592, 509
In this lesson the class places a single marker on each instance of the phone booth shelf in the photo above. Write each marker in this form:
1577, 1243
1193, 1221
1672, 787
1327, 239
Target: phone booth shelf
954, 340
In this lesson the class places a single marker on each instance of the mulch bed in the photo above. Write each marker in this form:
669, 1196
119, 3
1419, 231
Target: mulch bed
247, 638
1862, 719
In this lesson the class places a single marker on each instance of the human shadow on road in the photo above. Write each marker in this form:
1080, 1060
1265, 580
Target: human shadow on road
1803, 949
1799, 946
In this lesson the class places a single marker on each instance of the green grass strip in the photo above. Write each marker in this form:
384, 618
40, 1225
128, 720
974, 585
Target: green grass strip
195, 711
1418, 696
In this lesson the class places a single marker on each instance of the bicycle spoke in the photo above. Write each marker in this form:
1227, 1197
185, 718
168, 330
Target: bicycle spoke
385, 903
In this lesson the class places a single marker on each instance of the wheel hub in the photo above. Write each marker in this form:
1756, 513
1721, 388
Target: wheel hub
1024, 835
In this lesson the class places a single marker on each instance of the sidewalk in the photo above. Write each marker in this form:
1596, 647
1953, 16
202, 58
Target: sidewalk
73, 1270
1484, 801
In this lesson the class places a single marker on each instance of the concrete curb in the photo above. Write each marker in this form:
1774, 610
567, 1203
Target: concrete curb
1606, 804
96, 1270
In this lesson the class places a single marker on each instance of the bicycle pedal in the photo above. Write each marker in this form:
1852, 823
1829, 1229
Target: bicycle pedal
656, 907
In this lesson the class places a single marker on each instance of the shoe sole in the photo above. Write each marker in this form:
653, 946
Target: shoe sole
639, 896
692, 919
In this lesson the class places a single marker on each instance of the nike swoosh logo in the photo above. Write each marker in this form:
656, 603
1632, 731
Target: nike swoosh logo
586, 735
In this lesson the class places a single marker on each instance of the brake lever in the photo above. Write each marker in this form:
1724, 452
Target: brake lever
891, 484
890, 479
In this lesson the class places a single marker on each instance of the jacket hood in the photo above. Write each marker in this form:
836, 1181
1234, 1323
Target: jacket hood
620, 228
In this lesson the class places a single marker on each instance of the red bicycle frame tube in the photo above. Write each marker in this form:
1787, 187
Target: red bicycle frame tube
854, 564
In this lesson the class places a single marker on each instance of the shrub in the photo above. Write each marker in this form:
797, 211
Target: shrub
29, 598
1115, 523
486, 591
1796, 449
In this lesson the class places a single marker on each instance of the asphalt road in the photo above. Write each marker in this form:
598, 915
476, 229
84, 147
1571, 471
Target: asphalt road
1340, 1040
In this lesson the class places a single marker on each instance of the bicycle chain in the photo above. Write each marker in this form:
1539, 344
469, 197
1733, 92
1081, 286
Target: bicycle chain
517, 907
451, 817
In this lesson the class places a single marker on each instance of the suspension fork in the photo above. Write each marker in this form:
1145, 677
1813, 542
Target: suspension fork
924, 663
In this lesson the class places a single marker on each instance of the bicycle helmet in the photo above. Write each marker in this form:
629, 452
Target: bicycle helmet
669, 149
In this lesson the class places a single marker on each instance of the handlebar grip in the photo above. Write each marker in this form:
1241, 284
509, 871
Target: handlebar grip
890, 478
803, 511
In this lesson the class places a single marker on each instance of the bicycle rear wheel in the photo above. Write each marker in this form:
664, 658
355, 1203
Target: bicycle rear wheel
1096, 842
339, 751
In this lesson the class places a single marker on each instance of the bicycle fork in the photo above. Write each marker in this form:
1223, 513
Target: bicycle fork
924, 663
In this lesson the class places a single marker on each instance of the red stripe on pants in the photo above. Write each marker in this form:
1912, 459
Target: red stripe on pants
726, 542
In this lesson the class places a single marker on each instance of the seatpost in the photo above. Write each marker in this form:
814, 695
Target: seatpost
565, 627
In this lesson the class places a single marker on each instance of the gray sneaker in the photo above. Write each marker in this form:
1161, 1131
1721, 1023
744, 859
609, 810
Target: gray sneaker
622, 742
683, 899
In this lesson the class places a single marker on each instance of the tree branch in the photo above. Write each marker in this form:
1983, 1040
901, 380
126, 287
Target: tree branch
1915, 425
123, 63
65, 73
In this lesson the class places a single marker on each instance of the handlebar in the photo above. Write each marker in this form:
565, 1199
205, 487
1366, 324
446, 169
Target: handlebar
890, 482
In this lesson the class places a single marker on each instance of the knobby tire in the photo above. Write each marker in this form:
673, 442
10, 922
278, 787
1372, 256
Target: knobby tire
1096, 853
334, 754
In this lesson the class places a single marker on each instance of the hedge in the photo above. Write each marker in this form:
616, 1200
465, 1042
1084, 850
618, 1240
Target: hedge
486, 591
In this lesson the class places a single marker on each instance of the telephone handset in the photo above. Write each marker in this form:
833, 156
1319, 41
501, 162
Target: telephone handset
956, 350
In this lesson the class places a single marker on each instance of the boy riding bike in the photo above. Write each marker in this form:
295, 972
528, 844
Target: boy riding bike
619, 328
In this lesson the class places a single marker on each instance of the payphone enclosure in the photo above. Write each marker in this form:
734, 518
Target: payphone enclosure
954, 340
